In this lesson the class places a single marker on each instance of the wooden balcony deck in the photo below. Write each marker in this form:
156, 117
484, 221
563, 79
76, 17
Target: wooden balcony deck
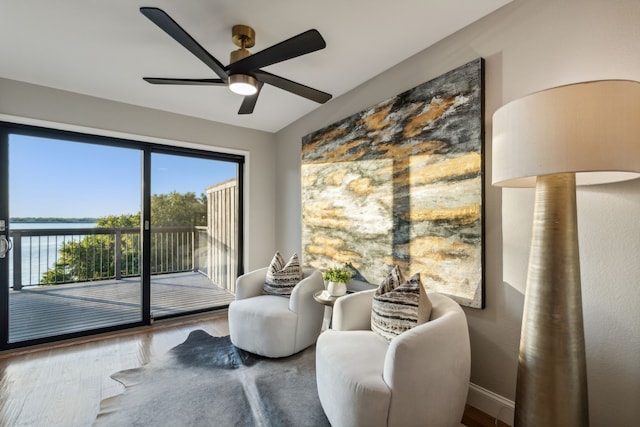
41, 311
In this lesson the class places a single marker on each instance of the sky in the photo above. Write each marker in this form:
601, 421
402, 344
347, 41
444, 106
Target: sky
61, 179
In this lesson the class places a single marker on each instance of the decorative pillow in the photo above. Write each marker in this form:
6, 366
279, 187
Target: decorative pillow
282, 276
399, 305
392, 281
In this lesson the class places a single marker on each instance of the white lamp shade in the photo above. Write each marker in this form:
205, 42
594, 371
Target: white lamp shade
591, 128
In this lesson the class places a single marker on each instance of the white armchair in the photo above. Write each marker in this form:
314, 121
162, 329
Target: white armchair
420, 378
275, 326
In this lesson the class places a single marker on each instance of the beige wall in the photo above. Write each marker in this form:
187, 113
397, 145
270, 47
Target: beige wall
528, 45
37, 105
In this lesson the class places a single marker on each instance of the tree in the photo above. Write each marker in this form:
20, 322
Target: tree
171, 251
93, 257
178, 210
122, 221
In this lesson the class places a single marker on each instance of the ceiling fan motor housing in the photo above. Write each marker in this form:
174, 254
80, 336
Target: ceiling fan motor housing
244, 37
238, 54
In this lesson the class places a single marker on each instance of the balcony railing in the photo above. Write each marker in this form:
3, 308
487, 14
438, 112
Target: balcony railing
55, 256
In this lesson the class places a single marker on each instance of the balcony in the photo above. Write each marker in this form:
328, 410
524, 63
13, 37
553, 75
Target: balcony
191, 270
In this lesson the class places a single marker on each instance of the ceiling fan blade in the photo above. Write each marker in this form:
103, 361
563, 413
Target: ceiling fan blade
170, 81
293, 87
171, 27
299, 45
249, 102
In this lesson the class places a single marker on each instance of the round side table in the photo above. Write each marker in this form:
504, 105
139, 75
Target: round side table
324, 298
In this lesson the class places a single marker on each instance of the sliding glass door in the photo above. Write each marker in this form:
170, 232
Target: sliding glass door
99, 233
74, 227
194, 235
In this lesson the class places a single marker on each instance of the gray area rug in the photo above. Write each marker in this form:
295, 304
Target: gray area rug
207, 381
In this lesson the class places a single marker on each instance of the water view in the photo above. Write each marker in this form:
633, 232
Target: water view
42, 250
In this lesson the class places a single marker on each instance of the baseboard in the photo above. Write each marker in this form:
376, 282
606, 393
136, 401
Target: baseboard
491, 403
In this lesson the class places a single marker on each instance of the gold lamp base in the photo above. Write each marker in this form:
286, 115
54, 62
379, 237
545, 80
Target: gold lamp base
552, 376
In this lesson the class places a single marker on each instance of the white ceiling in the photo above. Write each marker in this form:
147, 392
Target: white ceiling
104, 48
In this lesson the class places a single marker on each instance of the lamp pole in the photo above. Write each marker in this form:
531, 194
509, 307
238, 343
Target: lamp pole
552, 373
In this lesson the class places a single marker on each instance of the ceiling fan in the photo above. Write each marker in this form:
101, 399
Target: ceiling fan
243, 75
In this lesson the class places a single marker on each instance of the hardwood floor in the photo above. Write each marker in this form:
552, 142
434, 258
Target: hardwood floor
476, 418
62, 384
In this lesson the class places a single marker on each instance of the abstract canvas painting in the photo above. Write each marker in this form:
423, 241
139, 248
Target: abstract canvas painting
401, 183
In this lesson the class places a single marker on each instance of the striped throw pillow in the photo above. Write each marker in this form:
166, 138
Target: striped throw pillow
282, 276
399, 305
392, 281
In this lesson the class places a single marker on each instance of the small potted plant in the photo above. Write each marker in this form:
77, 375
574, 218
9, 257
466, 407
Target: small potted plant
337, 279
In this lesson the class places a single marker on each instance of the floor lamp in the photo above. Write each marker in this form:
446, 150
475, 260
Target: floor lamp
579, 134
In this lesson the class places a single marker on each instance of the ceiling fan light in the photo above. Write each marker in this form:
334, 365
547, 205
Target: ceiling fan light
243, 84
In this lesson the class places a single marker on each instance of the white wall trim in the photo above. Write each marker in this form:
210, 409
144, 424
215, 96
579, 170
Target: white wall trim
491, 403
120, 135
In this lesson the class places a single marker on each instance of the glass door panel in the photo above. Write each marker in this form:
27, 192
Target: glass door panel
74, 225
194, 233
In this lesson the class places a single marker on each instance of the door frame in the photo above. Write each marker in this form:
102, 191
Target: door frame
146, 149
